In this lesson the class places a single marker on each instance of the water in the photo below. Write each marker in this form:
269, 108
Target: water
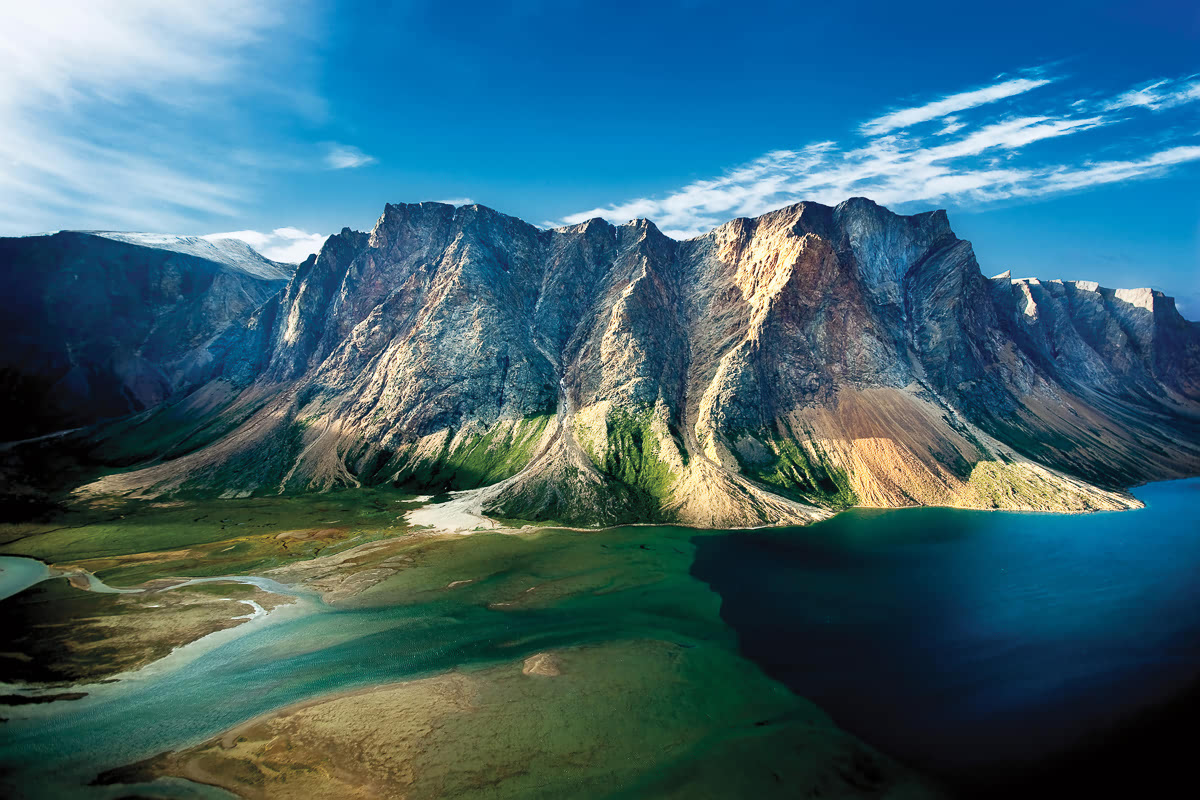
399, 631
972, 643
18, 574
960, 641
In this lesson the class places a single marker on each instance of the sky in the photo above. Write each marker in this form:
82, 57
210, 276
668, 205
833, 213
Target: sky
1063, 138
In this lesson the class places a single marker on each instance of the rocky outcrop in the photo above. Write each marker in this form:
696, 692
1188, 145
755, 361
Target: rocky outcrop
100, 325
767, 372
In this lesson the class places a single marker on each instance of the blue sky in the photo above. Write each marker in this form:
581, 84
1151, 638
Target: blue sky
1064, 138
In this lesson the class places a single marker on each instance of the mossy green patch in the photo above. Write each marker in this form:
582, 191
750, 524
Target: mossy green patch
258, 469
1007, 485
633, 458
790, 469
478, 460
221, 589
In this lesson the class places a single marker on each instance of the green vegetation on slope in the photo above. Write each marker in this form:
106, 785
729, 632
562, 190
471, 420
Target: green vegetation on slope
632, 456
784, 466
167, 432
562, 497
256, 470
999, 484
478, 460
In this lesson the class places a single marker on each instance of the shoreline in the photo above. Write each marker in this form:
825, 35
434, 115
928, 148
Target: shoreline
106, 685
437, 524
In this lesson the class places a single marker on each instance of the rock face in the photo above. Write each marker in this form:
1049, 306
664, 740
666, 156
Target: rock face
99, 325
766, 372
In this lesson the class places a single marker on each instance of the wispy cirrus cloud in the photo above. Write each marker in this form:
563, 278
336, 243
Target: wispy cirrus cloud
289, 245
907, 117
1158, 95
147, 114
96, 100
967, 147
344, 156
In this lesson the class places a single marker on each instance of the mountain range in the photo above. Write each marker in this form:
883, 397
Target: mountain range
768, 372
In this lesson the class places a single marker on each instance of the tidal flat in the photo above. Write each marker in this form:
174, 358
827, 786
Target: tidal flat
538, 662
630, 662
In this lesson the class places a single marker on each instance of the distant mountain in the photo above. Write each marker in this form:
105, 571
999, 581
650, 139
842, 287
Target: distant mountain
99, 325
233, 253
766, 372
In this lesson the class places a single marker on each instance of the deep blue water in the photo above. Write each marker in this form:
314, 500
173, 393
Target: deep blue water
975, 644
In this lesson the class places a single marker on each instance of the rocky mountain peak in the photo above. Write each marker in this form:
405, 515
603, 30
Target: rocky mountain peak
1144, 298
807, 359
595, 223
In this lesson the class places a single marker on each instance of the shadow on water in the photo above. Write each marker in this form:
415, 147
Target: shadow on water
1150, 753
1012, 655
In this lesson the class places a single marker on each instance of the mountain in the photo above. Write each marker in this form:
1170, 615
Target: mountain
99, 325
767, 372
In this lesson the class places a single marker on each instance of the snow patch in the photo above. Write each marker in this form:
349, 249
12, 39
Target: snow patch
232, 253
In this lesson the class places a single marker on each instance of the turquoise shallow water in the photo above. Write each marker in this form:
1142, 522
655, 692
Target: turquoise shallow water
973, 643
18, 574
957, 640
399, 632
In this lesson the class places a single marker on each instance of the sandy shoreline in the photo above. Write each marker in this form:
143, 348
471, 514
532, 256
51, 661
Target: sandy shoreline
462, 516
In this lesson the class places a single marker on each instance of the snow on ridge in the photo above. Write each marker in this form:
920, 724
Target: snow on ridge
232, 253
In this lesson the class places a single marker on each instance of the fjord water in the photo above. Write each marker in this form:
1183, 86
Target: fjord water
959, 641
974, 644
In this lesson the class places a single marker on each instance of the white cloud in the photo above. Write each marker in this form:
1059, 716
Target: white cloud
65, 52
1157, 96
289, 245
1093, 174
889, 169
1010, 134
951, 125
973, 158
96, 101
962, 101
344, 156
456, 201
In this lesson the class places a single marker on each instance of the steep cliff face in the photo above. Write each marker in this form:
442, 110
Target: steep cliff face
99, 325
766, 372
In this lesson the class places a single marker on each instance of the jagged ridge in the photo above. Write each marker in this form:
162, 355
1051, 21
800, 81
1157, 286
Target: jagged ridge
765, 372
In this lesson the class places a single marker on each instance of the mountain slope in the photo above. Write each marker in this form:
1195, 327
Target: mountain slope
99, 325
769, 371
